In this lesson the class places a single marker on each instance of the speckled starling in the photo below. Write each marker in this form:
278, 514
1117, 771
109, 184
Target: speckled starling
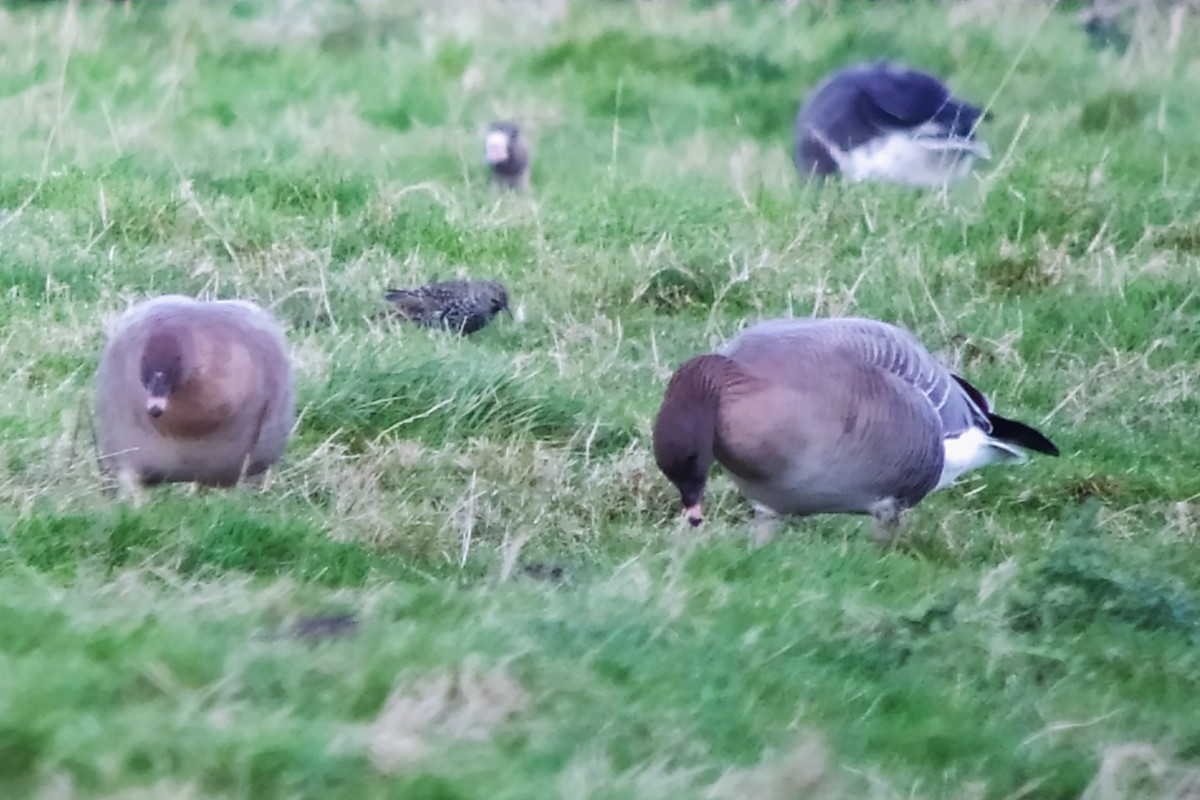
460, 306
505, 152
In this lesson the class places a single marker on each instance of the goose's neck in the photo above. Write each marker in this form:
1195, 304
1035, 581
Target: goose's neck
698, 384
686, 428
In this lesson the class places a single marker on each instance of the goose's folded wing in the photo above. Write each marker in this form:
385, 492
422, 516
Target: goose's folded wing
892, 98
809, 341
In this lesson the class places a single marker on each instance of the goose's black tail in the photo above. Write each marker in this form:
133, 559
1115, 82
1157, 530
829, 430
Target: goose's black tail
1020, 434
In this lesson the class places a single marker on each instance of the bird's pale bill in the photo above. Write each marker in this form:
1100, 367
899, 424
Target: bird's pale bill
495, 147
156, 404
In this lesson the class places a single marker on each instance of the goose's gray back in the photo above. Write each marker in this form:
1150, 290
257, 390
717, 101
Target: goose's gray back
241, 313
866, 341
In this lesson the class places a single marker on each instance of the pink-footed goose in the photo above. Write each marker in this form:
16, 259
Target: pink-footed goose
191, 390
814, 416
886, 122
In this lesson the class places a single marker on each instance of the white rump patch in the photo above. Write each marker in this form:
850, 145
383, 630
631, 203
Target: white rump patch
911, 158
973, 449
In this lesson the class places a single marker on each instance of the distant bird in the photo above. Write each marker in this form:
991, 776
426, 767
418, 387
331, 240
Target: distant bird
885, 122
1105, 30
191, 390
460, 306
507, 155
813, 416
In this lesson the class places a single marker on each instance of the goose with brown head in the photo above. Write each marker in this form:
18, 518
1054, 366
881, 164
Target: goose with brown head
813, 416
193, 391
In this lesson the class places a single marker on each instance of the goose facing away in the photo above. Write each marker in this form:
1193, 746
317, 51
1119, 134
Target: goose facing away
814, 416
462, 306
506, 154
885, 122
191, 390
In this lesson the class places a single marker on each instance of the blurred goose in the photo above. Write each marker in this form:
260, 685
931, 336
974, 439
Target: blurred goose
461, 306
814, 416
1104, 28
191, 390
885, 122
506, 154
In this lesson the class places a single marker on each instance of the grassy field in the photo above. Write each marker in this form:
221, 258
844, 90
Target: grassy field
532, 619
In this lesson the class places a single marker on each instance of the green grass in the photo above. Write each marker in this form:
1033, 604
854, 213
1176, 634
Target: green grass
532, 619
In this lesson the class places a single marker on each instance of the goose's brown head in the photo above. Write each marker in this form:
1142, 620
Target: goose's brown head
684, 431
162, 369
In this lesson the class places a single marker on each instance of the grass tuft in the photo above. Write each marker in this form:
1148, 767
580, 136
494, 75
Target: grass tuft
444, 399
1112, 111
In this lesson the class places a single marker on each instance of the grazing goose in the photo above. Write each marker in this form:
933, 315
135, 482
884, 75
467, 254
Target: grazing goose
888, 123
814, 416
505, 152
191, 390
460, 306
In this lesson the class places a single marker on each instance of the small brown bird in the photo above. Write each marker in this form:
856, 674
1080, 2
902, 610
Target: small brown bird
815, 416
191, 390
505, 152
460, 306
